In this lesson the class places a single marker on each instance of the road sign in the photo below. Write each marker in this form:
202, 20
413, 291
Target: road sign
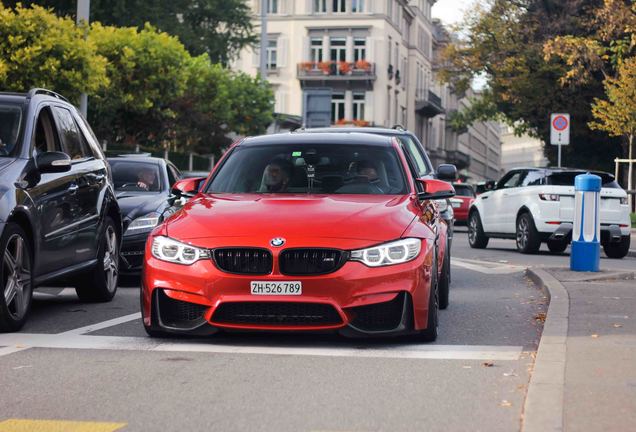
560, 129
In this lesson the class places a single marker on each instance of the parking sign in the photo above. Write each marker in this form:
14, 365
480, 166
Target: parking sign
560, 129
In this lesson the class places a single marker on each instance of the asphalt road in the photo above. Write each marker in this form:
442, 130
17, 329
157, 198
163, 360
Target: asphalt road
104, 369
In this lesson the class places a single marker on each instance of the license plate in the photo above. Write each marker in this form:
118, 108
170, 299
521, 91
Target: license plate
276, 288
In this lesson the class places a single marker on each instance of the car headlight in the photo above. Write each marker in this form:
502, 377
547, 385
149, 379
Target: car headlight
143, 223
167, 249
396, 252
442, 204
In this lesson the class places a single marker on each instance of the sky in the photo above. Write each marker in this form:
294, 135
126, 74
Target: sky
451, 11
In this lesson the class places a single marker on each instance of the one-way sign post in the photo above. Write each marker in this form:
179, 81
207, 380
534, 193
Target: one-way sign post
560, 131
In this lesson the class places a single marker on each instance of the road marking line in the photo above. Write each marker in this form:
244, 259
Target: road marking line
487, 267
102, 325
25, 425
11, 349
445, 352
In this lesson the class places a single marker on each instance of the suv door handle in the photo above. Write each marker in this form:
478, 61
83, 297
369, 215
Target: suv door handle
73, 188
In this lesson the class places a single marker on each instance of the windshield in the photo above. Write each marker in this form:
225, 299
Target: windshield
464, 190
311, 168
10, 121
130, 176
566, 178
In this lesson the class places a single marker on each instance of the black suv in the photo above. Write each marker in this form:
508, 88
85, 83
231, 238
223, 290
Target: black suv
59, 221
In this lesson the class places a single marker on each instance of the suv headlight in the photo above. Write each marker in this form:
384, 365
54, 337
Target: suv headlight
167, 249
143, 224
396, 252
442, 205
624, 201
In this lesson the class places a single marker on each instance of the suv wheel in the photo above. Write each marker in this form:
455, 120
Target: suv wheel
100, 285
619, 249
476, 237
16, 286
528, 240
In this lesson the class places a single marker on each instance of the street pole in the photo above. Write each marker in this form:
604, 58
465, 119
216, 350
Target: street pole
559, 155
263, 47
83, 16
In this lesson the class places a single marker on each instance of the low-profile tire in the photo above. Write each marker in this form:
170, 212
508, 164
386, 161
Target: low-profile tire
527, 236
477, 239
16, 278
100, 284
619, 249
557, 246
432, 324
444, 282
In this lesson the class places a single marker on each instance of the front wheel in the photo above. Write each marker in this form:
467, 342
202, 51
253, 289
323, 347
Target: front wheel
16, 286
619, 249
444, 282
477, 239
100, 285
528, 240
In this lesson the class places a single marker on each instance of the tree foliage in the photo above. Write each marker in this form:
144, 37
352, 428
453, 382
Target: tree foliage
220, 28
38, 49
506, 43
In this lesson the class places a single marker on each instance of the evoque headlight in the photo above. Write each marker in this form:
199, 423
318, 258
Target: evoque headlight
167, 249
442, 205
143, 223
396, 252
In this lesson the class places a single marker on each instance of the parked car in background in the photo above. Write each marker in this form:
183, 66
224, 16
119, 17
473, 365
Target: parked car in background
59, 220
301, 232
535, 205
464, 197
142, 186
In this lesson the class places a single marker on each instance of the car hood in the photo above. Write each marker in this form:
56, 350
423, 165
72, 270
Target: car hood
303, 220
136, 205
5, 162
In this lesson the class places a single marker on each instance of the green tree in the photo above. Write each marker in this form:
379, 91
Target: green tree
220, 28
617, 114
504, 43
39, 49
146, 72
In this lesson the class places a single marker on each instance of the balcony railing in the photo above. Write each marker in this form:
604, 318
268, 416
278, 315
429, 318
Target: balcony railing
428, 104
330, 70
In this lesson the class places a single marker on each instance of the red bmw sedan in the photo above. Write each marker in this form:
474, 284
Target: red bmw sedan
301, 232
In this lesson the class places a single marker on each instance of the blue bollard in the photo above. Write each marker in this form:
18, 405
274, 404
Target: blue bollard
586, 234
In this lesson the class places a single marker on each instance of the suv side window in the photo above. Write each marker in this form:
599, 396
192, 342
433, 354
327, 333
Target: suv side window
87, 134
534, 178
46, 138
511, 180
72, 143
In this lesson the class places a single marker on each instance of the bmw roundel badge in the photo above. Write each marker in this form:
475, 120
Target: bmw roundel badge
277, 242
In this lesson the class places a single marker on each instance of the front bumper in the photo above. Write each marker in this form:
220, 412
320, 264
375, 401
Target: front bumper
354, 300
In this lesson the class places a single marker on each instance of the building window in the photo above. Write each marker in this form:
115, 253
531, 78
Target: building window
357, 6
359, 49
320, 6
358, 106
338, 6
272, 6
337, 107
272, 54
338, 49
316, 50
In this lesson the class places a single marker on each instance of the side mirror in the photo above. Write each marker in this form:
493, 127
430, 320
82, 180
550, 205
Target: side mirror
435, 189
490, 185
447, 172
187, 188
53, 162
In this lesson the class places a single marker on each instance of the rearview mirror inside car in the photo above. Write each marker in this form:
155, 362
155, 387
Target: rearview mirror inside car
435, 189
447, 172
53, 162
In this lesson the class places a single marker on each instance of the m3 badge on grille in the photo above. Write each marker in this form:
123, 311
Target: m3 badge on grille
277, 242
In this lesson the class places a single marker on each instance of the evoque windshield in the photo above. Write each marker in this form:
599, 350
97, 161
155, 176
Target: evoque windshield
311, 168
10, 122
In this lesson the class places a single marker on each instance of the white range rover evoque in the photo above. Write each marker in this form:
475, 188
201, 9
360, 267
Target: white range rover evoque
535, 205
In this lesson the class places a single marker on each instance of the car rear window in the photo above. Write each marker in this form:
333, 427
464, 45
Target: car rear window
287, 168
10, 124
567, 179
464, 190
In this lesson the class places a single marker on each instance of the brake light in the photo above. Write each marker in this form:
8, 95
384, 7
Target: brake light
624, 201
550, 197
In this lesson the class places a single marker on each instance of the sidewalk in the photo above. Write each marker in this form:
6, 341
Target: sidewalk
584, 377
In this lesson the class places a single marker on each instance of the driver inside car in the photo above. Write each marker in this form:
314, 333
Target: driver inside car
276, 176
146, 179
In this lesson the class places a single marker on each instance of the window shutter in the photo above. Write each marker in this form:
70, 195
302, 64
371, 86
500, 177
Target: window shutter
370, 50
306, 49
281, 45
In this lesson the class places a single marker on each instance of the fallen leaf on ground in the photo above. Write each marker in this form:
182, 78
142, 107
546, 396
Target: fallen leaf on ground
509, 374
505, 403
487, 364
618, 325
595, 336
467, 367
540, 317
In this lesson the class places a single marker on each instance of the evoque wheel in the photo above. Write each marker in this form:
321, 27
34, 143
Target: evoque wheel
15, 278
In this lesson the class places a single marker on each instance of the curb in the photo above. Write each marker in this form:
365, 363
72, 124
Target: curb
544, 405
